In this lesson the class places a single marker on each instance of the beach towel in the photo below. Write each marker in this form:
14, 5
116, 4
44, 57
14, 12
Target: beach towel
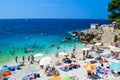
68, 78
66, 70
4, 69
99, 71
25, 78
54, 78
7, 73
68, 61
6, 78
31, 71
14, 67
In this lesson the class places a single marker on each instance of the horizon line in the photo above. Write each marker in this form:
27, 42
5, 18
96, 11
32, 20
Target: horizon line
54, 18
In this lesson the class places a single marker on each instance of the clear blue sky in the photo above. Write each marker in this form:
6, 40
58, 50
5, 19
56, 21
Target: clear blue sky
85, 9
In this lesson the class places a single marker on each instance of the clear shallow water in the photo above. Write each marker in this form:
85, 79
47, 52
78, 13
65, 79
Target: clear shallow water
17, 34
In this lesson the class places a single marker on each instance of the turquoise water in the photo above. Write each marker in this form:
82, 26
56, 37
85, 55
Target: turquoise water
16, 35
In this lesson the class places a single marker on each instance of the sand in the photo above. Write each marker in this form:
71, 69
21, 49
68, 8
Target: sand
81, 73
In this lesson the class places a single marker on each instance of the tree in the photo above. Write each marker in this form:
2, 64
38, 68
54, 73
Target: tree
114, 9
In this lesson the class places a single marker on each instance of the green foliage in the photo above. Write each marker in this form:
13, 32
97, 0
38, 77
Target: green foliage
118, 25
114, 9
118, 20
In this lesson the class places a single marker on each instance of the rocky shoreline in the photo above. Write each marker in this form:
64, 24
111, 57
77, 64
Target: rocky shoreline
90, 36
106, 34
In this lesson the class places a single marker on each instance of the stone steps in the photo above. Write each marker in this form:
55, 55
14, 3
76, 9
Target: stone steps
108, 37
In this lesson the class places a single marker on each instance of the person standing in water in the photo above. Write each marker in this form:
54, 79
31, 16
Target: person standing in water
16, 59
57, 55
74, 46
83, 54
74, 51
58, 47
28, 58
23, 58
32, 58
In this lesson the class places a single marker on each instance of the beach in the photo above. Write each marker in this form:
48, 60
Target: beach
57, 53
80, 72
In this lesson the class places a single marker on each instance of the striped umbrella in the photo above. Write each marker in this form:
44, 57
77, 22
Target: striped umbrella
89, 66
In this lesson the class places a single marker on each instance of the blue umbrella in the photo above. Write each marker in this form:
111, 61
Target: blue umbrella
4, 69
115, 66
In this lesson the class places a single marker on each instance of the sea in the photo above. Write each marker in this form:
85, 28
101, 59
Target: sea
39, 36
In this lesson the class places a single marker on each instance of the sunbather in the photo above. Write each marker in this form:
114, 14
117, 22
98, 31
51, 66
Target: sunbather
72, 56
22, 64
105, 60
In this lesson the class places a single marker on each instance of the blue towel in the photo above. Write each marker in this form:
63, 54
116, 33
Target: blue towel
14, 66
4, 69
99, 71
6, 78
68, 61
66, 70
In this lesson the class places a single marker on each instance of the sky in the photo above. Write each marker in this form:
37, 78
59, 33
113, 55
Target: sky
80, 9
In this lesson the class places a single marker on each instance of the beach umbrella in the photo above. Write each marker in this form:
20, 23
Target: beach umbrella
63, 53
115, 65
54, 78
67, 78
38, 55
89, 66
45, 61
116, 61
85, 49
114, 49
98, 44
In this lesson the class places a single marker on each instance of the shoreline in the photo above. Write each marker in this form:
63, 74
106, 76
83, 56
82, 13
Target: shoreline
50, 53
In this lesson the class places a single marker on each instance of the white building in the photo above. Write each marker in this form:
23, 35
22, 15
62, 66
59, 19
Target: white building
94, 26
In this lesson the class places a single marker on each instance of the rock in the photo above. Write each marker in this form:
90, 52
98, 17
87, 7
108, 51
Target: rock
75, 33
66, 39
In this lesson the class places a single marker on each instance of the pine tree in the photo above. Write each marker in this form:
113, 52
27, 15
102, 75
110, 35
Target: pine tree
114, 9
